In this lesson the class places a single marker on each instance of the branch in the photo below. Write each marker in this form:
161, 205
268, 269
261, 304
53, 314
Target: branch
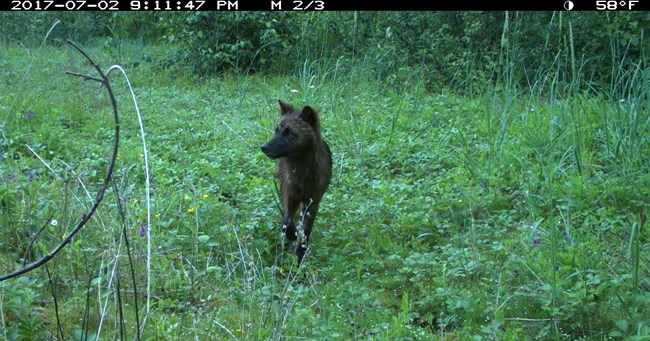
29, 247
100, 195
84, 76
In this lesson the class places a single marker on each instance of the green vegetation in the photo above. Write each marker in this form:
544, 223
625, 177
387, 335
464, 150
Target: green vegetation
490, 176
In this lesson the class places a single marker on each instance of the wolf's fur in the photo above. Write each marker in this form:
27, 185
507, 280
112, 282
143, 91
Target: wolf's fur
304, 168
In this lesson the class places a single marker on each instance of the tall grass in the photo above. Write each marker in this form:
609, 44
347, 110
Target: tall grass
513, 213
580, 140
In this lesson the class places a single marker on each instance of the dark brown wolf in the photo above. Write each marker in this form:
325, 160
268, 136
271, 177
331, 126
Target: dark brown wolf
304, 169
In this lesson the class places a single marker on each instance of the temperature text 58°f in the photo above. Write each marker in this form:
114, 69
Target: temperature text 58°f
613, 5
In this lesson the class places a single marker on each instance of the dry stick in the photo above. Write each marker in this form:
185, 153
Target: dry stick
86, 317
226, 329
120, 210
31, 242
100, 194
228, 126
113, 275
43, 161
119, 307
86, 77
56, 304
147, 185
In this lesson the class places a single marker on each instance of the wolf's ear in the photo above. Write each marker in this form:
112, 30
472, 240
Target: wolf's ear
309, 115
285, 107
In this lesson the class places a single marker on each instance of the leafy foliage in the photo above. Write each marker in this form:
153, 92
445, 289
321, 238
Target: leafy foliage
211, 42
469, 51
515, 213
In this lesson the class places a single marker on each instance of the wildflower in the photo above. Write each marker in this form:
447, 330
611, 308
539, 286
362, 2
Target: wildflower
205, 196
136, 201
150, 133
536, 241
190, 210
143, 231
30, 115
293, 91
54, 222
186, 198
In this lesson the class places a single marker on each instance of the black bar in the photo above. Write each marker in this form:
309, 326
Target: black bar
410, 5
433, 5
325, 5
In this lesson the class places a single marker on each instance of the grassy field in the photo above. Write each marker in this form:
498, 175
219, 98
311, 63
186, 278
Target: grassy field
502, 215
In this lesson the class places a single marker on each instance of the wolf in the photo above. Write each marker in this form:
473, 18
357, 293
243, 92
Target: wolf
304, 169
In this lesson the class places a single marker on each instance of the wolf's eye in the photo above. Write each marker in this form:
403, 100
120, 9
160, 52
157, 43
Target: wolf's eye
286, 131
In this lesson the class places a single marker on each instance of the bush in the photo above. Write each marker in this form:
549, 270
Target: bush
468, 51
212, 42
